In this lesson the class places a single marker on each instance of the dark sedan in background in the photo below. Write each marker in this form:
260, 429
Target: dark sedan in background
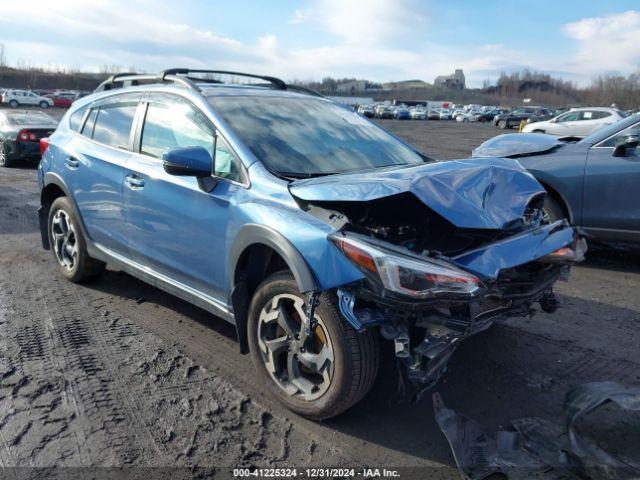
514, 117
490, 115
20, 134
594, 182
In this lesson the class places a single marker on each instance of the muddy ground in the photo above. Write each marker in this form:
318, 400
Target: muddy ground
117, 373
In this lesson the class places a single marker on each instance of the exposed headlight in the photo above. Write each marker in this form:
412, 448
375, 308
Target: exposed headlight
407, 276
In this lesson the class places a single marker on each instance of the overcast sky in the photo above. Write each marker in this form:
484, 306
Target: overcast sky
380, 40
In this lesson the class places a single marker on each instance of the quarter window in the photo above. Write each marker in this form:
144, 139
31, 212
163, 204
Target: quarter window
596, 114
113, 125
76, 118
174, 124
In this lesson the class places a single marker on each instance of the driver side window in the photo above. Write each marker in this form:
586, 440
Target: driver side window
568, 117
173, 124
611, 142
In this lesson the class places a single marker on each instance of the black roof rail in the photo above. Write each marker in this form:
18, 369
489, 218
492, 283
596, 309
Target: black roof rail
119, 79
276, 82
301, 89
182, 76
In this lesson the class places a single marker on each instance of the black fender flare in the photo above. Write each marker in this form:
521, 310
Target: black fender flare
51, 178
252, 234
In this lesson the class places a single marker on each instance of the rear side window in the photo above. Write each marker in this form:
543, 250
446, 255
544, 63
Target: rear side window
174, 124
113, 125
594, 115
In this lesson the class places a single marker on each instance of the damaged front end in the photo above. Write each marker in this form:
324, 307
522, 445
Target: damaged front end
443, 255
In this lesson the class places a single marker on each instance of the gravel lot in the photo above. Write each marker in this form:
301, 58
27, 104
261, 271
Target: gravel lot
119, 373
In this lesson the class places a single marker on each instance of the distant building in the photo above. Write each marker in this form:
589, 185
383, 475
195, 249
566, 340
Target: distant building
350, 88
454, 81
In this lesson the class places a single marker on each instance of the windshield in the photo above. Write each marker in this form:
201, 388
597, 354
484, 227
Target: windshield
304, 137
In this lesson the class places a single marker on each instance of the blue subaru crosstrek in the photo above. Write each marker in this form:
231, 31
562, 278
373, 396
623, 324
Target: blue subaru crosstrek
310, 228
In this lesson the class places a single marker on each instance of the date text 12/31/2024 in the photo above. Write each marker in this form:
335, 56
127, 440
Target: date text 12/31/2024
316, 473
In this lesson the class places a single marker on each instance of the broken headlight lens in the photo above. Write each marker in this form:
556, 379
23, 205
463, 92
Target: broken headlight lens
408, 276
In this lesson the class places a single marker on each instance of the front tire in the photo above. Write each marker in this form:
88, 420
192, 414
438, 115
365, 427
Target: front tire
502, 124
68, 245
318, 380
14, 104
552, 210
44, 104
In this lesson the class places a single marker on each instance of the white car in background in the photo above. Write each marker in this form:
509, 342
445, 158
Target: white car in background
466, 117
418, 113
577, 122
16, 98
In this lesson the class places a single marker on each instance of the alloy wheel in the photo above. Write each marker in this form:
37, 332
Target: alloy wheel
65, 243
301, 370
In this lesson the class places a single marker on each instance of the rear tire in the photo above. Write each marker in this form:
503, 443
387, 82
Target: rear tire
344, 379
68, 244
14, 104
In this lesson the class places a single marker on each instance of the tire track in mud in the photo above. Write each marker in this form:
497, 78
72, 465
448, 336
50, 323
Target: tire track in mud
115, 393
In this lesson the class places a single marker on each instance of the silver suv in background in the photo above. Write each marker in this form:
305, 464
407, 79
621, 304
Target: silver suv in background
577, 122
16, 98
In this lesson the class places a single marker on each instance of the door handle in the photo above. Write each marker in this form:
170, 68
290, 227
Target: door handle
72, 162
134, 182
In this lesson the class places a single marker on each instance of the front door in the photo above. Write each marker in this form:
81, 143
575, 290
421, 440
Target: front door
611, 201
175, 227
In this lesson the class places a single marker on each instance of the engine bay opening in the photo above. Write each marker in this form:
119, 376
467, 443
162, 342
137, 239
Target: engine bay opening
402, 220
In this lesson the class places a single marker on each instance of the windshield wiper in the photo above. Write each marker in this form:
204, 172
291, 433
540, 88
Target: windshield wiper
300, 175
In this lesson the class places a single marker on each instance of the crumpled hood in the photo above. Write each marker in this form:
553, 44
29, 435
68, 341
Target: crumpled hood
511, 144
483, 194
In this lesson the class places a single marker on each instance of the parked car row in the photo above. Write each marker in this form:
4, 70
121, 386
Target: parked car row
423, 112
16, 98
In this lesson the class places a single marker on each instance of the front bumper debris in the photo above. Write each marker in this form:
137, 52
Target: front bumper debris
517, 273
535, 448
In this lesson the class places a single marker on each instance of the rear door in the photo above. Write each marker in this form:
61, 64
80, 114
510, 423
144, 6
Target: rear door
592, 120
175, 227
611, 202
31, 98
93, 167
